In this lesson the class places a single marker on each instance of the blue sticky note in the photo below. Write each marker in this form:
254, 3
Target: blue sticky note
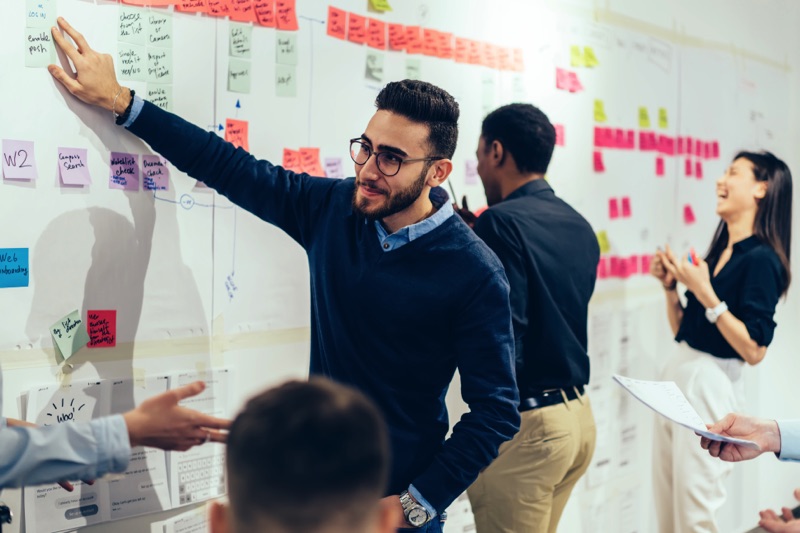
13, 267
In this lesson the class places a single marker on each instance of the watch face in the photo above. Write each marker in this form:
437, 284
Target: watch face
417, 516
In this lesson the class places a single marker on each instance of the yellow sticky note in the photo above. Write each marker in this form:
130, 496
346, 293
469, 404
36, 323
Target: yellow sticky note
599, 111
644, 118
575, 56
602, 240
663, 123
380, 5
589, 58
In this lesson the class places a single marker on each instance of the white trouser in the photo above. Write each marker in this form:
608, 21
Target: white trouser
689, 484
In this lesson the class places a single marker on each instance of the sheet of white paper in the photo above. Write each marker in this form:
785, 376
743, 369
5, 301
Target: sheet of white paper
666, 399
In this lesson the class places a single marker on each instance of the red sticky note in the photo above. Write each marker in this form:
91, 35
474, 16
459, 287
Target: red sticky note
102, 328
613, 208
504, 58
602, 268
615, 267
397, 37
430, 39
626, 207
698, 169
598, 161
337, 22
559, 134
310, 163
356, 28
192, 6
236, 133
688, 214
688, 167
242, 11
413, 40
291, 160
265, 13
659, 166
461, 53
218, 8
444, 46
646, 259
517, 59
715, 149
287, 15
376, 34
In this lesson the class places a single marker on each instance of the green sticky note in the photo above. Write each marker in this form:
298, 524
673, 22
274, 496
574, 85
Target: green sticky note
286, 48
241, 40
69, 334
40, 13
40, 50
159, 26
576, 57
374, 67
132, 62
599, 111
159, 65
238, 75
589, 58
160, 95
380, 5
285, 81
663, 123
602, 240
644, 117
132, 25
413, 69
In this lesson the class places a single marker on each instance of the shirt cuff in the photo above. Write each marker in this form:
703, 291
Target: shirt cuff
136, 108
422, 501
113, 443
790, 439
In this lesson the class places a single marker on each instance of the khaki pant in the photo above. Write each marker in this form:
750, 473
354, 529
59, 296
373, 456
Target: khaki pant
527, 487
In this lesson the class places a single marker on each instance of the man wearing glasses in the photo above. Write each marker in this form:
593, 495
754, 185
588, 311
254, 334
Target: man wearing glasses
402, 291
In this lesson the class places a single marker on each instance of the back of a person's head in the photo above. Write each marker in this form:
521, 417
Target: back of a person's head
306, 457
525, 131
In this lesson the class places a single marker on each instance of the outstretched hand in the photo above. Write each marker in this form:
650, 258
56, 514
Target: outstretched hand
785, 523
763, 432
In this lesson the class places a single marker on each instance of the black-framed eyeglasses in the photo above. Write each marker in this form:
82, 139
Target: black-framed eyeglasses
388, 163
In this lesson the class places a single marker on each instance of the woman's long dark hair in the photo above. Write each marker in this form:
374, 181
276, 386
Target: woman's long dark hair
773, 223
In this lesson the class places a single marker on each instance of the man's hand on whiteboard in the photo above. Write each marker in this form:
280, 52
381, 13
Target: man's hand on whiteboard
763, 432
94, 80
160, 422
785, 523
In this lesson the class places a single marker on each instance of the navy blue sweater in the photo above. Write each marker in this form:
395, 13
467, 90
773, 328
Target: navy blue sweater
396, 324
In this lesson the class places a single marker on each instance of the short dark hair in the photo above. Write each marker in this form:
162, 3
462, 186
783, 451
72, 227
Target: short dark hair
427, 104
306, 455
525, 131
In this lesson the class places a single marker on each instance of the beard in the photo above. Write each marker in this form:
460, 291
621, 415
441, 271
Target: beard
394, 203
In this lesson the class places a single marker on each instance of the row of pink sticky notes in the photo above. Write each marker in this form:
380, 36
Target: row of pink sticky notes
126, 173
303, 160
650, 141
619, 207
567, 80
623, 267
614, 138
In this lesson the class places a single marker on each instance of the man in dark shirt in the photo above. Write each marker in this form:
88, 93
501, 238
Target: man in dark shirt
550, 254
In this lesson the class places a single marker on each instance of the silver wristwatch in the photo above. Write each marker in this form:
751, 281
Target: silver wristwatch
713, 313
416, 514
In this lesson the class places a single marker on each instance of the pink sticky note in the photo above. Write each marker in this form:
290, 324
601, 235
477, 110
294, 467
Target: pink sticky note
124, 171
689, 145
707, 150
619, 138
598, 162
236, 133
598, 136
615, 267
630, 141
73, 166
688, 214
559, 134
666, 145
470, 172
698, 148
286, 15
613, 208
102, 328
291, 160
310, 163
562, 79
645, 259
633, 264
19, 162
698, 170
647, 141
681, 145
155, 173
659, 166
715, 149
626, 207
574, 83
602, 268
333, 167
623, 268
337, 22
688, 168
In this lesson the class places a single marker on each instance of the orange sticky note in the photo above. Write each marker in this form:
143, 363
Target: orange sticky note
236, 133
242, 11
598, 161
397, 37
504, 58
337, 22
265, 13
659, 166
613, 208
698, 170
517, 59
218, 8
356, 28
461, 52
192, 6
413, 40
310, 163
287, 15
444, 46
291, 160
430, 40
559, 134
490, 55
376, 34
688, 214
626, 207
688, 167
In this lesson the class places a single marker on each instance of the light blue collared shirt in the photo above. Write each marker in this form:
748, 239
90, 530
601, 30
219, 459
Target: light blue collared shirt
405, 235
790, 439
136, 108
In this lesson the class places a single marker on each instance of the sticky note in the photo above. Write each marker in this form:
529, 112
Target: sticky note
619, 138
615, 267
374, 67
132, 26
663, 123
689, 145
236, 133
240, 40
644, 117
626, 207
666, 145
560, 141
19, 162
397, 37
192, 6
155, 173
613, 208
159, 25
242, 10
597, 158
698, 148
286, 15
102, 328
707, 150
602, 240
430, 39
576, 56
356, 28
645, 261
631, 265
291, 160
413, 40
69, 334
337, 22
715, 149
474, 52
285, 48
444, 46
599, 137
334, 167
380, 5
376, 34
688, 214
681, 145
73, 166
562, 79
490, 55
13, 267
471, 176
698, 169
159, 65
504, 58
589, 57
218, 8
238, 75
599, 111
647, 141
413, 69
160, 94
265, 13
517, 59
630, 140
39, 48
574, 83
688, 167
659, 166
310, 163
132, 62
124, 171
40, 13
602, 268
